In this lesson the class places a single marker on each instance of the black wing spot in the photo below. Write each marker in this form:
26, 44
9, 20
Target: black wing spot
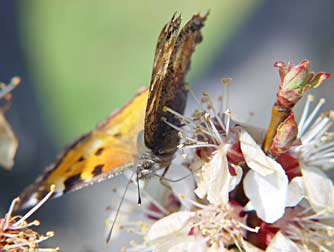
99, 151
71, 182
97, 170
81, 159
117, 135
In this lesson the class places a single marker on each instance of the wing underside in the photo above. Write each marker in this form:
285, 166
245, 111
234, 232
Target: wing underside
167, 88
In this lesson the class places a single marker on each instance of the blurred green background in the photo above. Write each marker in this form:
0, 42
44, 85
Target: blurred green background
89, 57
79, 60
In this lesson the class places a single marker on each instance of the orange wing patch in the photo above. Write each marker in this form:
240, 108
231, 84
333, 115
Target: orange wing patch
100, 154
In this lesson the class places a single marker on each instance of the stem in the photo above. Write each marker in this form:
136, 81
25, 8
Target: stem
278, 115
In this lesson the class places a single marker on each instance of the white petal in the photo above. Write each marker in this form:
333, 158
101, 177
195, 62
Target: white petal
268, 194
181, 243
296, 191
188, 243
216, 180
235, 180
220, 179
173, 224
204, 181
282, 244
255, 158
319, 189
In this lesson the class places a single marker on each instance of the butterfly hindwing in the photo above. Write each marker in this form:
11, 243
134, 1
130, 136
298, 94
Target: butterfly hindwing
102, 153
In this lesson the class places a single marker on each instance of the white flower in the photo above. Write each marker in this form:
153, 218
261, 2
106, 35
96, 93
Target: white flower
315, 152
206, 228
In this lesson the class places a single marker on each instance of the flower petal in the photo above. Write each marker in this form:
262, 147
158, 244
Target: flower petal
255, 158
219, 178
221, 181
268, 194
216, 180
179, 243
281, 243
173, 224
204, 180
319, 189
296, 191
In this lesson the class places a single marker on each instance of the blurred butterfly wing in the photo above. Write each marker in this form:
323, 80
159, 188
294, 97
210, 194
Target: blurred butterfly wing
167, 88
100, 154
8, 143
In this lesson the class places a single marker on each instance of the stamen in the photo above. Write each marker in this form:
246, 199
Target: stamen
16, 234
226, 95
228, 121
10, 212
311, 117
318, 147
216, 135
321, 125
308, 102
180, 134
37, 206
181, 117
199, 104
215, 114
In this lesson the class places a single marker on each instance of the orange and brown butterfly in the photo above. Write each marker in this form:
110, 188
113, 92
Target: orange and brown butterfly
131, 136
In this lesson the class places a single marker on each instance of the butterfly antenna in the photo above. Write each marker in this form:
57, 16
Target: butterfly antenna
138, 188
119, 208
173, 180
162, 177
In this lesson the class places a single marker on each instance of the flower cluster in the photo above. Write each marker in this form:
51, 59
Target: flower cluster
16, 234
247, 198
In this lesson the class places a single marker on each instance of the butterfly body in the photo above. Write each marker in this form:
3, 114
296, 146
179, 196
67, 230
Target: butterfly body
136, 134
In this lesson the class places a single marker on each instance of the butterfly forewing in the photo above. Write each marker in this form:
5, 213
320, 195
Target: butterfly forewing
167, 87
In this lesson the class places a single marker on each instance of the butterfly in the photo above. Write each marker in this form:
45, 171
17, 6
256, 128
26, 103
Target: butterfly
135, 135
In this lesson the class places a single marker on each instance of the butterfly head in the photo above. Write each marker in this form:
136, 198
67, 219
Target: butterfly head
147, 162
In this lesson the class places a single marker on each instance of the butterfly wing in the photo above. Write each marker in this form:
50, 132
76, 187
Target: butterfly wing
100, 154
167, 87
8, 143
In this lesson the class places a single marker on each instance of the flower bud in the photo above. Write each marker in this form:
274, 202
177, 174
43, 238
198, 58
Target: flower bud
295, 80
286, 135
